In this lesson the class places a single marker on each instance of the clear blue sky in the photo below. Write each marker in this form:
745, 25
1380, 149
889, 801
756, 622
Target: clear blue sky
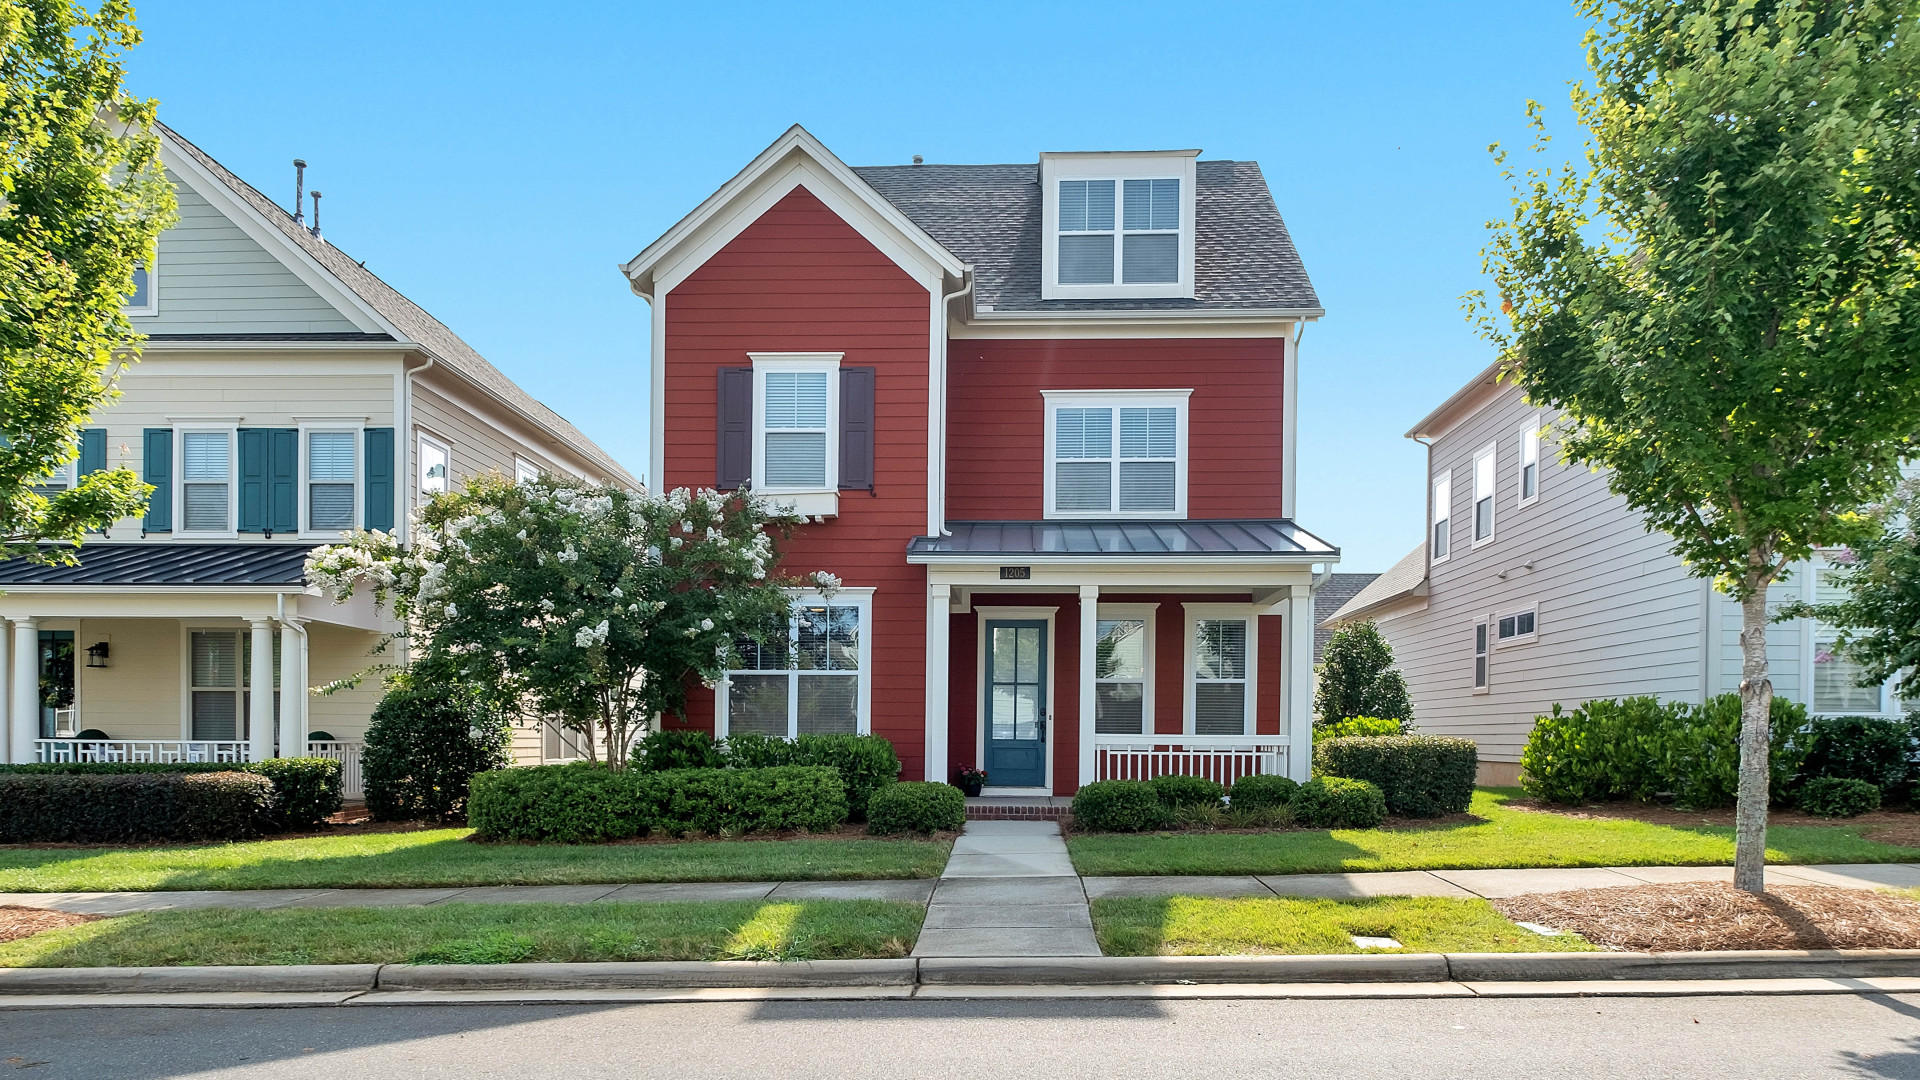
494, 161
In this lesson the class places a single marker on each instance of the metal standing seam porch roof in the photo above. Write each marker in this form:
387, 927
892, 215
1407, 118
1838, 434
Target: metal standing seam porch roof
189, 565
1225, 539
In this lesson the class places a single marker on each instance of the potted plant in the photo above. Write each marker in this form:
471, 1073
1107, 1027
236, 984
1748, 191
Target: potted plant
970, 780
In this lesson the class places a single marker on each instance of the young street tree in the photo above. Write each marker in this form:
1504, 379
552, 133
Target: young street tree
1357, 678
590, 607
83, 199
1723, 301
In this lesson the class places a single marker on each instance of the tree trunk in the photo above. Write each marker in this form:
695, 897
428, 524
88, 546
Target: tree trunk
1756, 706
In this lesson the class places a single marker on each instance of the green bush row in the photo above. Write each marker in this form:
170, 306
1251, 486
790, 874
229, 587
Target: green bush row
1419, 775
1329, 802
866, 763
585, 802
305, 791
1356, 727
1834, 796
1640, 747
78, 807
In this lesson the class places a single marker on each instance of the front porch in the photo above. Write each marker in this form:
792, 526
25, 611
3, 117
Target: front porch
1061, 653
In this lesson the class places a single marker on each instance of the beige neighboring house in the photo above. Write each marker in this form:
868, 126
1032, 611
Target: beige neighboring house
1537, 586
286, 395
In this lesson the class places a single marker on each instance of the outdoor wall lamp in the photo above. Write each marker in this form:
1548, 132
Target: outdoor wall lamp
97, 654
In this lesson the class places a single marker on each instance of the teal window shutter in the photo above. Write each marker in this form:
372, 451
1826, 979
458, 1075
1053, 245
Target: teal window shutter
253, 479
283, 479
157, 469
93, 450
380, 487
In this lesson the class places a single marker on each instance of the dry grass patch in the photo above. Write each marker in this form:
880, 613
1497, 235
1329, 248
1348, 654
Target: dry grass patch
1700, 916
21, 922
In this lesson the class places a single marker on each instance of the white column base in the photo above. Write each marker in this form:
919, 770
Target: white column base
260, 693
1089, 649
1296, 667
25, 718
939, 676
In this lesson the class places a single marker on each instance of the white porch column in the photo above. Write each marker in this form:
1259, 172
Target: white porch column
1296, 681
939, 660
6, 698
260, 693
293, 689
1089, 646
26, 689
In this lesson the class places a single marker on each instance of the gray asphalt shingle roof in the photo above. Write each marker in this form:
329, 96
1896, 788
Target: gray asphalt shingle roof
989, 215
168, 564
1331, 597
1222, 538
1399, 581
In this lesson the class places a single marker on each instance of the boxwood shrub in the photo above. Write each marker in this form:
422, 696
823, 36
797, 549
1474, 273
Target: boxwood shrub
916, 806
1637, 748
306, 791
133, 807
1837, 796
1178, 791
1336, 802
1262, 791
584, 802
1420, 775
866, 763
1877, 749
1120, 806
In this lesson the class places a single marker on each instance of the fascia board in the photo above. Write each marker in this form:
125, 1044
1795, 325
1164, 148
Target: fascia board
304, 266
1461, 404
1112, 563
1152, 314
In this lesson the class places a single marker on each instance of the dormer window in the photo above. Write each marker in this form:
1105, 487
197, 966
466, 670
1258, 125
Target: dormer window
1118, 225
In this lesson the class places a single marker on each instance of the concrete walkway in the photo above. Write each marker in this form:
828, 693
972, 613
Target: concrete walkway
1008, 890
1494, 884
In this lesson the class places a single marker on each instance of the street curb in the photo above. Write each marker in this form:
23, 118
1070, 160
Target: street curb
1079, 971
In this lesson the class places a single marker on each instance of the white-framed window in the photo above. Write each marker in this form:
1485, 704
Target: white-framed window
816, 681
1530, 462
330, 480
796, 418
1483, 494
1481, 656
1836, 688
562, 744
1117, 225
1516, 627
62, 478
145, 297
524, 470
204, 491
219, 678
1441, 538
1123, 669
1222, 646
436, 461
1116, 453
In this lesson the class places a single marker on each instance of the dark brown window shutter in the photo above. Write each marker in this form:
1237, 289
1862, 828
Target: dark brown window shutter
733, 444
856, 428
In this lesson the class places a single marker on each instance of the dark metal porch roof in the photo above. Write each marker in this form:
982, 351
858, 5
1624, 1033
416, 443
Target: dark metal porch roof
1226, 539
159, 562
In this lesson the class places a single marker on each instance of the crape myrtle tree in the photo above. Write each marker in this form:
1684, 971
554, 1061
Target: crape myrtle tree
1722, 299
1357, 678
585, 606
82, 199
1878, 614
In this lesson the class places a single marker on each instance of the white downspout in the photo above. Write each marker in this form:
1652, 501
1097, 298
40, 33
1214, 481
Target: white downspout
937, 510
1290, 408
404, 452
293, 705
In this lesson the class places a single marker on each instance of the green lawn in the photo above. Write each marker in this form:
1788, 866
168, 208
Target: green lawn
443, 857
1506, 838
1204, 926
482, 934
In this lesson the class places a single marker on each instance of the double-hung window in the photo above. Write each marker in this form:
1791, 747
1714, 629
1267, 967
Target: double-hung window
1117, 225
143, 299
206, 481
1122, 659
1480, 656
796, 418
1442, 515
332, 489
1483, 494
1836, 686
806, 678
1530, 462
434, 459
1220, 650
1116, 454
220, 676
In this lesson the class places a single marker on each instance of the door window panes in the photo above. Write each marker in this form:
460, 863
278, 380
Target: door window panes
1016, 705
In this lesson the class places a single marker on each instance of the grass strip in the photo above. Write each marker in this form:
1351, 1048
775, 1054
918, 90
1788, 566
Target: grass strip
1505, 838
1206, 926
444, 858
483, 934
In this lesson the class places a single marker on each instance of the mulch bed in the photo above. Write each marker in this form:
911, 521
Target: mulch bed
1699, 916
20, 922
1899, 827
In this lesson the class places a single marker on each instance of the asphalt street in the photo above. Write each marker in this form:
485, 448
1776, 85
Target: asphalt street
1643, 1039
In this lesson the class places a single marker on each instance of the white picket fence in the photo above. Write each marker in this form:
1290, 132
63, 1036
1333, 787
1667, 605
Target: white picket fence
348, 755
1220, 758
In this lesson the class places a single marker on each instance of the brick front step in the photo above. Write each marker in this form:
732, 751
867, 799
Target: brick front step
1017, 808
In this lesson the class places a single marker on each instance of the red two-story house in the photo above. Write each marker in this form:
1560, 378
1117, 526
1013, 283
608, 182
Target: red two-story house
1042, 420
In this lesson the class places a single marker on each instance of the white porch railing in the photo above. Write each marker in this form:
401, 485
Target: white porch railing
1220, 758
348, 755
158, 751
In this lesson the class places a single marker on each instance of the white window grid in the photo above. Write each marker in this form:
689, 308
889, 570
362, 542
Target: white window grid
430, 453
1482, 655
1483, 491
151, 304
352, 478
1439, 533
1830, 689
1516, 627
1116, 403
791, 364
1168, 174
1197, 615
859, 599
1143, 614
524, 470
182, 434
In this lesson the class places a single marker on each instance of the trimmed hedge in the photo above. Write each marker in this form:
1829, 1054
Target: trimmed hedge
866, 763
916, 806
1355, 727
1120, 806
306, 791
1876, 749
677, 748
1336, 802
1262, 791
1637, 748
1420, 775
1837, 796
133, 807
1177, 791
584, 802
427, 739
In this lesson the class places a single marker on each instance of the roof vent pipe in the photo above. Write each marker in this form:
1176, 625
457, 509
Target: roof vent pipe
316, 216
918, 160
299, 192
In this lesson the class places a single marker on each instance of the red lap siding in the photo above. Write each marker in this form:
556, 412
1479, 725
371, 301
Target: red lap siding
800, 279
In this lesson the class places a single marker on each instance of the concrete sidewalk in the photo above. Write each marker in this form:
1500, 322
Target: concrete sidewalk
1008, 889
1494, 884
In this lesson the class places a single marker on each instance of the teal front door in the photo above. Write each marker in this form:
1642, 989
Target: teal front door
1016, 696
